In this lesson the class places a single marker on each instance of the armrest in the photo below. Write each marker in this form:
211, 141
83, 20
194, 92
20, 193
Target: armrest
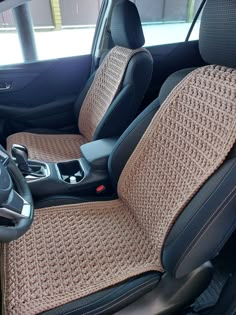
97, 152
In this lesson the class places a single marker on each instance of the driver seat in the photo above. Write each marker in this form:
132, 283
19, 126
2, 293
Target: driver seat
175, 210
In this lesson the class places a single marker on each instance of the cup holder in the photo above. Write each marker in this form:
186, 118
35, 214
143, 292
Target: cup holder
70, 172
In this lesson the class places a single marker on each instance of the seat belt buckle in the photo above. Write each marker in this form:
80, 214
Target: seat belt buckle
100, 189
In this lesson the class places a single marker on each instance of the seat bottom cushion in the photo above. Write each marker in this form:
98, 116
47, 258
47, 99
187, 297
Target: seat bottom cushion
49, 148
71, 252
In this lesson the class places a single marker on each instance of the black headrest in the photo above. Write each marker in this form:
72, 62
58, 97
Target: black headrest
126, 28
218, 33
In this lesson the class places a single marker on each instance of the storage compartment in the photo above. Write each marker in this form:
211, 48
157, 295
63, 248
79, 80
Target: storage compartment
71, 172
70, 178
86, 176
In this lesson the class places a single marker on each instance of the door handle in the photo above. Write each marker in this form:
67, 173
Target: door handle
5, 85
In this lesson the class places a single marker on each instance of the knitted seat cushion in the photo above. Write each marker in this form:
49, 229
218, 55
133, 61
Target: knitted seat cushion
49, 148
75, 250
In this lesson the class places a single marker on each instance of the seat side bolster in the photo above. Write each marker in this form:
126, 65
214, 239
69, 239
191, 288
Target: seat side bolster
172, 81
129, 140
212, 209
82, 95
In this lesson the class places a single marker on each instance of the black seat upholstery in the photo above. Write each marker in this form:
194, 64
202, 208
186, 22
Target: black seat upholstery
112, 299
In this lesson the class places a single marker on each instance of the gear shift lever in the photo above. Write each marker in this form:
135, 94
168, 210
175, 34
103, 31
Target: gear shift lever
20, 153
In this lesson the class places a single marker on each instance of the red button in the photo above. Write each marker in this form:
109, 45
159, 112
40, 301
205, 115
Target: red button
100, 189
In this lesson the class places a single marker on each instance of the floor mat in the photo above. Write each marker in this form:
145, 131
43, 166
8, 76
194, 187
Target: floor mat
210, 297
213, 300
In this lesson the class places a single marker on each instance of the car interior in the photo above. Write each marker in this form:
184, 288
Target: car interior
117, 174
116, 90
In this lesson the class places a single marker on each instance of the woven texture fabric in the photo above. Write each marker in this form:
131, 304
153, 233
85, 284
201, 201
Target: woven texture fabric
104, 88
70, 252
187, 141
49, 148
76, 250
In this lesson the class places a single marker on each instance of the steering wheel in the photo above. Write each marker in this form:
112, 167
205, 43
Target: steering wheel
16, 203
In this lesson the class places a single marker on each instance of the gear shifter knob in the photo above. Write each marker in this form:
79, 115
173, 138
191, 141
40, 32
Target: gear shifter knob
20, 153
19, 148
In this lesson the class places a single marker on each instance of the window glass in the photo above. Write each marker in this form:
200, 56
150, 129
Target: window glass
10, 51
195, 33
167, 21
62, 28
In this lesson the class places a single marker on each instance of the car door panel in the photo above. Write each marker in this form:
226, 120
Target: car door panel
47, 81
42, 94
15, 81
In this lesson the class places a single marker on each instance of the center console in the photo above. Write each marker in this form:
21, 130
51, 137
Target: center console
76, 177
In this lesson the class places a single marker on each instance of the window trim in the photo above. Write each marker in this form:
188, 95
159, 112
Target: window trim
195, 20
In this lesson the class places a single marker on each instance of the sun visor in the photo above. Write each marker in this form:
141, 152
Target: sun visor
10, 4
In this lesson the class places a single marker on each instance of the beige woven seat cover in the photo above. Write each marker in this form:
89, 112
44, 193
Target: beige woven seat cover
49, 148
75, 250
106, 84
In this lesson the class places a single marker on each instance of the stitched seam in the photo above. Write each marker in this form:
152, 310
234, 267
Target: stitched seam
205, 202
228, 233
143, 286
205, 227
231, 229
124, 299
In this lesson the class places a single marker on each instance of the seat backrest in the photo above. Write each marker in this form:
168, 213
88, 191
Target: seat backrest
148, 182
210, 217
113, 94
186, 142
217, 45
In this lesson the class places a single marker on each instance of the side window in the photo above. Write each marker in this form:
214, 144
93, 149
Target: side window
62, 28
10, 51
167, 21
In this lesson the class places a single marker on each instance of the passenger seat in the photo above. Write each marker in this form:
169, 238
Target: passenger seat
111, 97
217, 45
